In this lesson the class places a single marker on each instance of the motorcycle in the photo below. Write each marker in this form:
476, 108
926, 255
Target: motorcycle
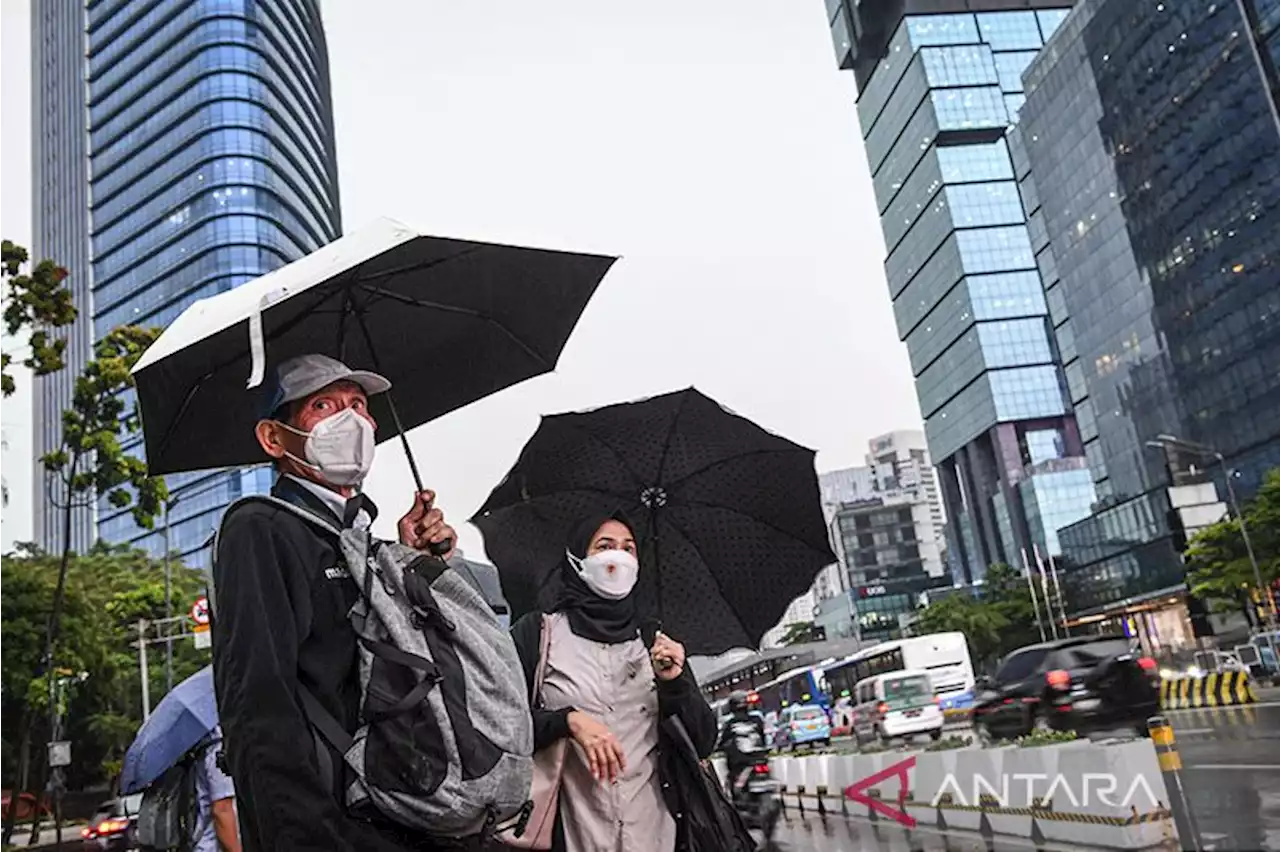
757, 799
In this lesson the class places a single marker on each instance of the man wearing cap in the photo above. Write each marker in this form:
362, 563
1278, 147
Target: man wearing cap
283, 594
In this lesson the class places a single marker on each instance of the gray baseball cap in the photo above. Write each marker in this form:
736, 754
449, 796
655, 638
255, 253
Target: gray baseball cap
298, 378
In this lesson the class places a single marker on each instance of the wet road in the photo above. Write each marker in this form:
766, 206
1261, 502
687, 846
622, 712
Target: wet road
1231, 759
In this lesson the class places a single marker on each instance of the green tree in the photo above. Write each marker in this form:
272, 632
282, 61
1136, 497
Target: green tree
37, 302
980, 622
1219, 570
91, 462
996, 622
1005, 589
800, 631
108, 590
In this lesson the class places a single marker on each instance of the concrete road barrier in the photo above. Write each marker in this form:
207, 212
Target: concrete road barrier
1102, 795
1210, 690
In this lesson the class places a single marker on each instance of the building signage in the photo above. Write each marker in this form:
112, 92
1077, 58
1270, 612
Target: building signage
872, 591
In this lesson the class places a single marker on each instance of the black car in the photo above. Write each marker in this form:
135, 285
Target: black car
114, 827
1081, 684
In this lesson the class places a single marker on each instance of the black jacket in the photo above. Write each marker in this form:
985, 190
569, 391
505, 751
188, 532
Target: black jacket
742, 740
282, 597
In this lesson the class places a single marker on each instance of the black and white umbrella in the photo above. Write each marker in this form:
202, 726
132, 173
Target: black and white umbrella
448, 321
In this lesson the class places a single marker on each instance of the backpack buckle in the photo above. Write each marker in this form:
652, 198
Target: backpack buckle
422, 616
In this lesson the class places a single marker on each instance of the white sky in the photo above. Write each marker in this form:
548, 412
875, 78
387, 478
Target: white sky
715, 148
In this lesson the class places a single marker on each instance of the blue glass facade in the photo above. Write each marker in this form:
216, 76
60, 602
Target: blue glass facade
211, 162
1153, 135
940, 88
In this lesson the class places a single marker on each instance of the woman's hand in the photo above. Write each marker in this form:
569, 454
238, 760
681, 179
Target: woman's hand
604, 752
667, 656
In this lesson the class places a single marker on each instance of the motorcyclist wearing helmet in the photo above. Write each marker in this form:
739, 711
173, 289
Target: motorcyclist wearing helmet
742, 740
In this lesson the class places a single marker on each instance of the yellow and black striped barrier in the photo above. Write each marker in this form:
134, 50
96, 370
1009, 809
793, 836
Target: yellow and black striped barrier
1171, 768
1211, 690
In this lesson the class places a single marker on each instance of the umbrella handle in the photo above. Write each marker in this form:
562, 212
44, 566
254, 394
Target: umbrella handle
437, 548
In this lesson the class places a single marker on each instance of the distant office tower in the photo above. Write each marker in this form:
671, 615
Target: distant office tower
205, 128
1153, 137
887, 528
940, 86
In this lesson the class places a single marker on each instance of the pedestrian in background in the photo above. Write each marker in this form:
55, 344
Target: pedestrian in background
606, 694
216, 829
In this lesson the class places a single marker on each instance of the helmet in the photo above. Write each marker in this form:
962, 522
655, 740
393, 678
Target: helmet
738, 702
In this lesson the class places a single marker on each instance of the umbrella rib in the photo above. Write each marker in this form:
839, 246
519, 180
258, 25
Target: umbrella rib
705, 505
454, 309
712, 574
682, 480
622, 460
534, 501
415, 267
666, 447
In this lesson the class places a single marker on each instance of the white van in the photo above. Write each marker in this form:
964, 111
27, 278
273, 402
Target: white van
898, 704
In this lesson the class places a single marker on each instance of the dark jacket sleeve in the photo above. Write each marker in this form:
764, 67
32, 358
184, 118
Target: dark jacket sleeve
548, 725
681, 697
263, 613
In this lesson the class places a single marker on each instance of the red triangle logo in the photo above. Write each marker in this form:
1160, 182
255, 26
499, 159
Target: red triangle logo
854, 792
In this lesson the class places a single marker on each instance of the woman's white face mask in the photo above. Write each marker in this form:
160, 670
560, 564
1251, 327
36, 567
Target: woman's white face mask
611, 574
339, 448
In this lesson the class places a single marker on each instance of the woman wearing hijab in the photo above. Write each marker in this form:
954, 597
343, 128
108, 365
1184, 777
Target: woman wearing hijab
606, 693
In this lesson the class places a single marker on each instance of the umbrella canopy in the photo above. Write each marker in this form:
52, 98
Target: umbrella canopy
447, 321
729, 515
185, 717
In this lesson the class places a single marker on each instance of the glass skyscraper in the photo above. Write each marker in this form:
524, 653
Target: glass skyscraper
211, 161
939, 90
1153, 134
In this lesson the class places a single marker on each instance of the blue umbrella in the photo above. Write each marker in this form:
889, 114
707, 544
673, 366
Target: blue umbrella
185, 717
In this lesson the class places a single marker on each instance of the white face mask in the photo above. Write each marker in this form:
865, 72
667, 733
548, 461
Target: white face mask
339, 448
611, 574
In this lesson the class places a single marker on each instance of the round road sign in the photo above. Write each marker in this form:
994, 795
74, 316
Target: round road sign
200, 610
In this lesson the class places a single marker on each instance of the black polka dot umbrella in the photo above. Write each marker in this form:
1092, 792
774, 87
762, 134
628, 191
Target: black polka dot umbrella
728, 515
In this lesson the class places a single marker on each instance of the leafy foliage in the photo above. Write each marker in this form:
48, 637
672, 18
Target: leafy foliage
949, 743
1000, 620
800, 631
1218, 566
980, 622
38, 301
1036, 739
91, 460
107, 590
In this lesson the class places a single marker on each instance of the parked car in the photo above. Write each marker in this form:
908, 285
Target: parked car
28, 804
803, 724
897, 704
114, 827
1080, 684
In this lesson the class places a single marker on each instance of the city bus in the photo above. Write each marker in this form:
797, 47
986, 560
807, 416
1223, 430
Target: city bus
945, 656
797, 686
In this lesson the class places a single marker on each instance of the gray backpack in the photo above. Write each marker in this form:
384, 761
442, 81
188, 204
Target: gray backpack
445, 742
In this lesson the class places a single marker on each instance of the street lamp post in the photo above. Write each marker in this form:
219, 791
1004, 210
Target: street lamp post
1166, 441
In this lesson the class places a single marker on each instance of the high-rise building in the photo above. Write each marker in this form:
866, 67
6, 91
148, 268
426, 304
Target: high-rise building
887, 528
60, 230
939, 87
204, 129
1153, 136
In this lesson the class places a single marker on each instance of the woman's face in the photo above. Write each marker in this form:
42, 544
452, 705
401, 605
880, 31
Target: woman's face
612, 535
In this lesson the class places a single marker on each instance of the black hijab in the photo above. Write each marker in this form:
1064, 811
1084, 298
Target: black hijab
590, 616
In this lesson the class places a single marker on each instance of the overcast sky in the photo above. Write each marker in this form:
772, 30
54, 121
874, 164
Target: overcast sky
714, 147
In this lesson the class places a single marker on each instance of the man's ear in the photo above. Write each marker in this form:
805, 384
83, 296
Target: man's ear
270, 438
